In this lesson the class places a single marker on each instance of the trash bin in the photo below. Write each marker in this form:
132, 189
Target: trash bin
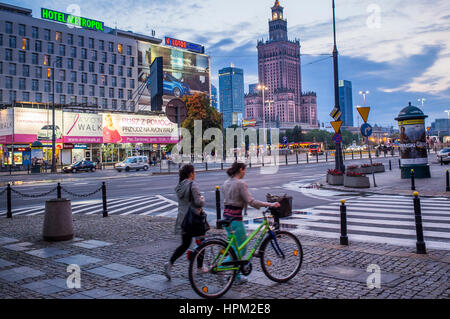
285, 209
58, 224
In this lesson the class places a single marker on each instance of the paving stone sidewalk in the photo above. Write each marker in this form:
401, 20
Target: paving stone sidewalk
121, 257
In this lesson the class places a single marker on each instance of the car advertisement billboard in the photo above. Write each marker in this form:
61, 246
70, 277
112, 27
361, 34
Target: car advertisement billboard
184, 72
129, 128
36, 124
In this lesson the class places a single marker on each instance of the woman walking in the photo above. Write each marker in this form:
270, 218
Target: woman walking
188, 195
236, 199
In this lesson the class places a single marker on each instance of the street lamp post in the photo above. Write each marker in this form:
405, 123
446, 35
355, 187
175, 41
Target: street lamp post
448, 120
338, 154
51, 72
422, 100
364, 93
263, 88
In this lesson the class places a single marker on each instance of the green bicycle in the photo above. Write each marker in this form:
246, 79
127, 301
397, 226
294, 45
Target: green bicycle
216, 262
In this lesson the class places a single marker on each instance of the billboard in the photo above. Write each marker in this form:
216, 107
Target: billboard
185, 72
129, 128
36, 124
6, 126
82, 128
413, 144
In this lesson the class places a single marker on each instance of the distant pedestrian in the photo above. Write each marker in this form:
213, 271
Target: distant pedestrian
188, 195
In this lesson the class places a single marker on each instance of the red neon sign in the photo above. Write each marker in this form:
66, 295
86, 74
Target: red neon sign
176, 43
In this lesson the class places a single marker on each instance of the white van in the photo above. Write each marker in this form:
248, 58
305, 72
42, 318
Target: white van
133, 162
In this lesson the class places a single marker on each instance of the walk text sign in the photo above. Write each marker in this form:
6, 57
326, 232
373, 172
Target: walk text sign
67, 18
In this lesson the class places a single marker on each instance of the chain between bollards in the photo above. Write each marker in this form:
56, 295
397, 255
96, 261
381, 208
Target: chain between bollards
420, 244
344, 238
218, 211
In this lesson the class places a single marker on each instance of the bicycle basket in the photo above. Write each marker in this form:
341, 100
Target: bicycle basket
285, 209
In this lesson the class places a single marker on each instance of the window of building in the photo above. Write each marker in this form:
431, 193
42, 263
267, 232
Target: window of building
8, 54
94, 101
1, 39
12, 69
50, 48
70, 64
120, 71
35, 32
47, 60
35, 58
62, 99
22, 57
114, 104
81, 65
120, 48
73, 52
25, 44
80, 89
114, 59
26, 96
58, 36
22, 29
120, 94
91, 43
132, 83
73, 100
111, 46
69, 88
91, 90
111, 69
12, 96
73, 76
47, 86
104, 57
12, 42
104, 80
50, 98
129, 49
8, 27
123, 104
38, 97
47, 35
62, 50
39, 72
84, 100
129, 94
91, 67
35, 85
102, 92
38, 46
84, 53
22, 84
101, 45
26, 70
70, 39
129, 72
58, 87
94, 55
94, 79
111, 93
81, 41
114, 81
131, 61
83, 77
101, 68
122, 83
105, 103
122, 60
8, 82
59, 61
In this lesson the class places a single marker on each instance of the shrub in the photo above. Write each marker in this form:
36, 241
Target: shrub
335, 172
352, 167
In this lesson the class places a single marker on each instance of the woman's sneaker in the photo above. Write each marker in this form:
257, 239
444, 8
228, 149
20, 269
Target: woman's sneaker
168, 270
240, 280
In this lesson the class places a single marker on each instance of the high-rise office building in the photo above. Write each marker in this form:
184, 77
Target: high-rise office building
231, 88
346, 102
253, 88
214, 98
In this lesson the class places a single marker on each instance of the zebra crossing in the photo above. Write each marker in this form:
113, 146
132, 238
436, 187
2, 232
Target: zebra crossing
377, 218
155, 205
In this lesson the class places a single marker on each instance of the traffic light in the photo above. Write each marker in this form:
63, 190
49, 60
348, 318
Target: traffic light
156, 84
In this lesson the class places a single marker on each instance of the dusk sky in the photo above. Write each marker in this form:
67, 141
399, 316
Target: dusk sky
398, 50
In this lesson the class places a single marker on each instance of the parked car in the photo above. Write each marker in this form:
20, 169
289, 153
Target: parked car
172, 86
133, 162
79, 166
46, 133
444, 154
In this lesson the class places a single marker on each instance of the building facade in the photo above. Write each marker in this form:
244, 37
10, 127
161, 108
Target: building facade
440, 127
90, 68
253, 88
279, 69
214, 97
231, 88
346, 102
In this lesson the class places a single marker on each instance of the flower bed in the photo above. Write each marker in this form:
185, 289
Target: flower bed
356, 180
335, 177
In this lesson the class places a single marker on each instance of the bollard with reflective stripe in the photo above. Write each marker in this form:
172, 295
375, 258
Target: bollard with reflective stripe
420, 244
344, 238
218, 211
105, 208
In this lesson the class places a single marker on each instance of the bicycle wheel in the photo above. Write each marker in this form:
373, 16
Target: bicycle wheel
206, 278
282, 258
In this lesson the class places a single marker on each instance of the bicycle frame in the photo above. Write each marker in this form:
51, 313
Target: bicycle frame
232, 242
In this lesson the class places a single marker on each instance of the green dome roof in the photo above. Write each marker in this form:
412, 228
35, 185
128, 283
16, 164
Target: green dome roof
411, 112
37, 144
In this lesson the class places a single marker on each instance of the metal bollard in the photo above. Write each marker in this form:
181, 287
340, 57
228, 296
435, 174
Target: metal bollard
413, 181
344, 238
58, 190
326, 156
399, 163
420, 244
105, 208
390, 165
221, 165
218, 211
343, 154
353, 155
317, 157
442, 162
448, 181
296, 155
286, 159
360, 154
206, 166
307, 158
8, 202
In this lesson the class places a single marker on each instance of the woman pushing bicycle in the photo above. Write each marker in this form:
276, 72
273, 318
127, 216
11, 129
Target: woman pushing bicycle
236, 199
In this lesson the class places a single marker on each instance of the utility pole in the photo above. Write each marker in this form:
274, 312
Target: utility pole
338, 154
53, 122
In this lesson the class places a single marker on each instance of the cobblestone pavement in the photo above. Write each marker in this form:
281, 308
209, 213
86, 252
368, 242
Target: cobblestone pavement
122, 257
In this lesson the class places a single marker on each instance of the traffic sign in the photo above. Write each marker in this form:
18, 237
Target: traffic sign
285, 140
366, 130
364, 112
337, 138
336, 125
336, 114
175, 108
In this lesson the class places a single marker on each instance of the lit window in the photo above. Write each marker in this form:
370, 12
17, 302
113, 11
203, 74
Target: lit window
119, 48
58, 36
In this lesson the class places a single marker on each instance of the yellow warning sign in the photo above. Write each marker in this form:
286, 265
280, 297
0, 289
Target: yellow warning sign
364, 112
336, 125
